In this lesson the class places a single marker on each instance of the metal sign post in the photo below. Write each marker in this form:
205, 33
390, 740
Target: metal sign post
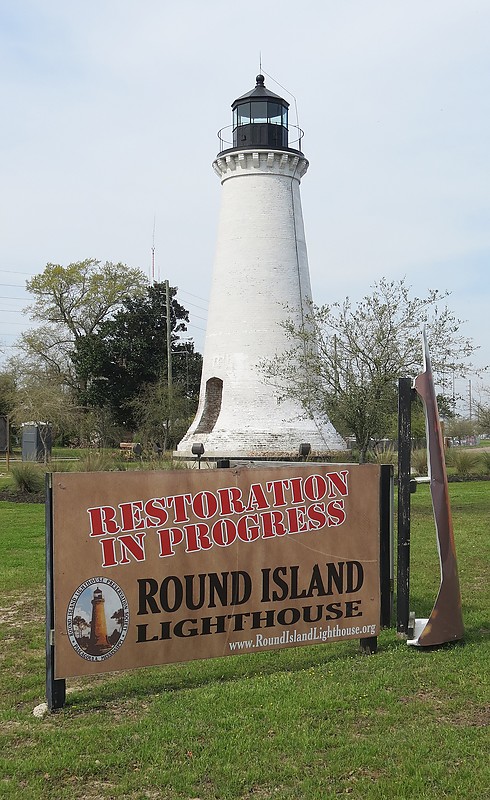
405, 396
55, 688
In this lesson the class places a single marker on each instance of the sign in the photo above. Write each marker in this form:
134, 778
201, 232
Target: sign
158, 567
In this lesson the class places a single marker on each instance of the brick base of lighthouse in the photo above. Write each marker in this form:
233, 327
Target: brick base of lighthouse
256, 444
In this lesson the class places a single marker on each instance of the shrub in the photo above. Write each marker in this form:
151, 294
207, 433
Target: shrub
94, 461
27, 478
342, 457
484, 462
164, 463
463, 461
448, 456
61, 466
388, 456
419, 461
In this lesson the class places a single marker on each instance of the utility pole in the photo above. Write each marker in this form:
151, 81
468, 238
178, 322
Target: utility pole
169, 359
169, 342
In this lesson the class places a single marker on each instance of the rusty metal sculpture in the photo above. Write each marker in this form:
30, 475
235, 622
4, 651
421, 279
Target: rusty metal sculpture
445, 623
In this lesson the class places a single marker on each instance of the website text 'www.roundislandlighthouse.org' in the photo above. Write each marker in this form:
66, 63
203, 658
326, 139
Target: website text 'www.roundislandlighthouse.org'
313, 635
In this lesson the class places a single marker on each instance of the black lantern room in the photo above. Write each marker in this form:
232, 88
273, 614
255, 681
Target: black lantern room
260, 119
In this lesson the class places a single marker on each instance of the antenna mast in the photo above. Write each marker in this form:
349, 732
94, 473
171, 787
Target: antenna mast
153, 254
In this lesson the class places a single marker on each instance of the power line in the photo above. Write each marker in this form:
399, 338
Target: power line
14, 298
192, 295
15, 272
20, 286
188, 303
195, 316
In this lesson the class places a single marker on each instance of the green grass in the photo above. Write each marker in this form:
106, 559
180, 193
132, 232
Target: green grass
309, 723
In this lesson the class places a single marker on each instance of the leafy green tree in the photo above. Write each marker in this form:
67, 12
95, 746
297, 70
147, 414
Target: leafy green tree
118, 616
186, 371
162, 415
460, 428
102, 339
446, 407
48, 404
82, 295
483, 419
344, 362
483, 412
129, 352
80, 624
8, 389
71, 303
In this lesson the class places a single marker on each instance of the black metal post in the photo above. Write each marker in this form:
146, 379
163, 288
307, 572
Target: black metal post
386, 544
405, 394
369, 646
55, 688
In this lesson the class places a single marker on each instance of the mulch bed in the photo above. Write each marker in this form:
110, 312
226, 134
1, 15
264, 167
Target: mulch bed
22, 497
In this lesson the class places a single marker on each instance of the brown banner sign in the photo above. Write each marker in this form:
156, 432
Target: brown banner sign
158, 567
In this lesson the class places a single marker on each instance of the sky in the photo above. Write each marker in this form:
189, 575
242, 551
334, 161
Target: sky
110, 115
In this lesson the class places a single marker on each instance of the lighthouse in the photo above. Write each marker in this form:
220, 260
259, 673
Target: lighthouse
260, 279
99, 642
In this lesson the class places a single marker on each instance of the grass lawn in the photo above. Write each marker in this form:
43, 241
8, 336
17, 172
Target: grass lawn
314, 722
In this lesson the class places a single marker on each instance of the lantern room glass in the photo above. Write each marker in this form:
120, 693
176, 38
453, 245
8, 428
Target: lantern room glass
243, 114
260, 122
277, 114
258, 112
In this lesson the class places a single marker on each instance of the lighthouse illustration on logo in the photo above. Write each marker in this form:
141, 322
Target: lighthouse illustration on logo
99, 642
260, 279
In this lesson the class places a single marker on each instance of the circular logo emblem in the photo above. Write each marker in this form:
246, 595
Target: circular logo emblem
97, 619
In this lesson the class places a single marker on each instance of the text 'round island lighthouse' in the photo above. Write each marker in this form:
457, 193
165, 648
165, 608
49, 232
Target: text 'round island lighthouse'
260, 279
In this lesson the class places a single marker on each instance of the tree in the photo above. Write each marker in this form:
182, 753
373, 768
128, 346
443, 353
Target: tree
73, 302
186, 371
483, 413
49, 405
103, 339
446, 406
483, 419
80, 624
461, 428
128, 353
82, 295
162, 415
345, 360
118, 616
8, 388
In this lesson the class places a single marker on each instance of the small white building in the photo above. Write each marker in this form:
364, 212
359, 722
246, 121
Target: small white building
260, 278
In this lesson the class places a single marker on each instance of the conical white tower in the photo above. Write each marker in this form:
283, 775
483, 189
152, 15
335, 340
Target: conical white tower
260, 278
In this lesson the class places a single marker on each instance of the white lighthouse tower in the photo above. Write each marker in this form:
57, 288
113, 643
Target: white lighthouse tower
260, 278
